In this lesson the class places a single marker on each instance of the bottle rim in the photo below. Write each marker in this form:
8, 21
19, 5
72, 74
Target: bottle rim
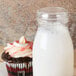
52, 10
53, 13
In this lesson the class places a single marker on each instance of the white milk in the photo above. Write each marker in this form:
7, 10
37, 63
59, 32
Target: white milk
53, 51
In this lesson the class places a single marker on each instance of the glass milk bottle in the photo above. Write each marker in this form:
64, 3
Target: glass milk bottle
53, 48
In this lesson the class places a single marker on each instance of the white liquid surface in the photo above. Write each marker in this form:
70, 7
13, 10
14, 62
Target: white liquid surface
53, 52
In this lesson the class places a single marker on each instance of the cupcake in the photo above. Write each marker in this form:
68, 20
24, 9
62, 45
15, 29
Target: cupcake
18, 58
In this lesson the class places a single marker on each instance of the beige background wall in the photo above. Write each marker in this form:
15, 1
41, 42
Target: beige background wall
17, 17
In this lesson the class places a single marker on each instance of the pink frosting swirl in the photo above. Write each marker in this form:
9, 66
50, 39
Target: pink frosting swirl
21, 48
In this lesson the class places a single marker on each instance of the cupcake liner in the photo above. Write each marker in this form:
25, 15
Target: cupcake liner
19, 69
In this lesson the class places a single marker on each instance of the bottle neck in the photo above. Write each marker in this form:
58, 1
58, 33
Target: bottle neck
48, 23
52, 15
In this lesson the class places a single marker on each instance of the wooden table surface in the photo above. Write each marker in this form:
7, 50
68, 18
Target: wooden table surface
1, 50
